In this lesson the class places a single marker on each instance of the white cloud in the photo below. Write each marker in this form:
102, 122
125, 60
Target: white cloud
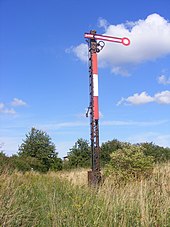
162, 97
119, 71
163, 80
5, 110
143, 98
133, 123
81, 52
56, 126
103, 23
18, 102
9, 111
137, 99
149, 40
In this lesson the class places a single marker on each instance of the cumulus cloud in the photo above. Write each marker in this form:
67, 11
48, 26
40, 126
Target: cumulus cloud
163, 80
81, 51
162, 97
143, 98
5, 110
148, 42
138, 99
18, 102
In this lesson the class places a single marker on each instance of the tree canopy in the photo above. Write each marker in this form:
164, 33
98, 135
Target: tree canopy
38, 145
79, 155
160, 154
108, 148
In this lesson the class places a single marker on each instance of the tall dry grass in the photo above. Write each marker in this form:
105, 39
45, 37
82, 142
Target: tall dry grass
146, 201
63, 199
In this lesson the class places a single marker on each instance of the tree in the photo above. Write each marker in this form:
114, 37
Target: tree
79, 155
38, 145
160, 154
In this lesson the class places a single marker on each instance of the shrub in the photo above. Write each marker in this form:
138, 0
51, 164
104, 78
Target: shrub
129, 162
22, 164
108, 148
160, 154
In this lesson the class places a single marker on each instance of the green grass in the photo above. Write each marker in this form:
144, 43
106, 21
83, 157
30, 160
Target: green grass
34, 199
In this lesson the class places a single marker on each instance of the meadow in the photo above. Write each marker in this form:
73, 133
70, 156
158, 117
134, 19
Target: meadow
64, 199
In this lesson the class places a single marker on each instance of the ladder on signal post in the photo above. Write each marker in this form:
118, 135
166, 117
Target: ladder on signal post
94, 175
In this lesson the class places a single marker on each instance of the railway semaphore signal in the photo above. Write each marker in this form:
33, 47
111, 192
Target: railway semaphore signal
94, 47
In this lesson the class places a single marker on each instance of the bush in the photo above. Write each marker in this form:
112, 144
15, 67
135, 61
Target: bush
108, 148
129, 162
160, 154
22, 164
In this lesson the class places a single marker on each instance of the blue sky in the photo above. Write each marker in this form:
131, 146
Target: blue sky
44, 71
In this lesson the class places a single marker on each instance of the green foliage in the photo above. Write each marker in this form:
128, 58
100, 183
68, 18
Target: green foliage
19, 163
39, 147
4, 163
129, 162
2, 154
56, 164
26, 163
160, 154
79, 155
108, 148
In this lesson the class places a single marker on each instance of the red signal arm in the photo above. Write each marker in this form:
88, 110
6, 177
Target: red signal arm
125, 41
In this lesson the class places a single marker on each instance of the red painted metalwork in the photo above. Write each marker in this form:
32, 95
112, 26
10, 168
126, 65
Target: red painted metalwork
125, 41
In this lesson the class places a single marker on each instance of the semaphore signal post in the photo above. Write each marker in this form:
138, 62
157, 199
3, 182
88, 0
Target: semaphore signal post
94, 47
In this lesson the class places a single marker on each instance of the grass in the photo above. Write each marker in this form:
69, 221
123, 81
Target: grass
63, 199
